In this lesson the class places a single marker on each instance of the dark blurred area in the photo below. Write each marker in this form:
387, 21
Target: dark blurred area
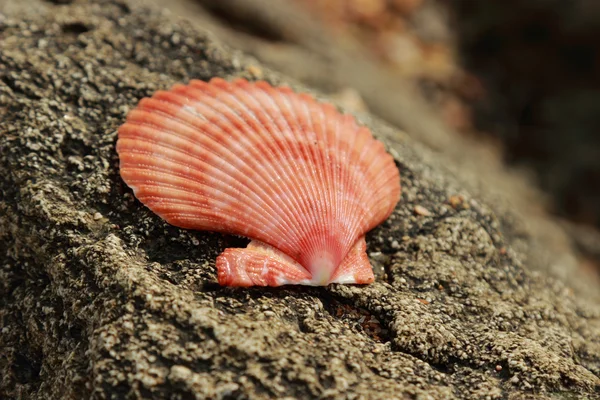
539, 62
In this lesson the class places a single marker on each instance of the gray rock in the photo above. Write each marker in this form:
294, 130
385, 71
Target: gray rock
101, 298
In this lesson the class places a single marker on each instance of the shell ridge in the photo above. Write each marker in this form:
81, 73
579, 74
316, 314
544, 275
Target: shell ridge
337, 176
206, 216
387, 190
323, 240
391, 206
374, 181
338, 243
330, 205
325, 203
230, 192
178, 192
224, 124
249, 183
238, 96
202, 129
291, 182
316, 115
298, 158
317, 156
358, 177
327, 241
311, 231
153, 111
286, 101
316, 238
267, 99
327, 161
355, 267
256, 266
297, 151
359, 186
345, 147
199, 145
264, 131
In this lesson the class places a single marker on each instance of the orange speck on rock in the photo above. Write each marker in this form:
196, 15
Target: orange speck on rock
456, 201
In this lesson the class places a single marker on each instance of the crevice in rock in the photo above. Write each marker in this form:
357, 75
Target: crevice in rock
27, 367
75, 28
360, 319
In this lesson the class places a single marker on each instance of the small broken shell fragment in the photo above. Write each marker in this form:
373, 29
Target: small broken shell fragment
422, 211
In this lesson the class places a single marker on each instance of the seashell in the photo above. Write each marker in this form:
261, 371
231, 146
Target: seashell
301, 180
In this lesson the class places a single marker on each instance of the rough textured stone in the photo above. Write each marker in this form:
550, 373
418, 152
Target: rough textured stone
100, 298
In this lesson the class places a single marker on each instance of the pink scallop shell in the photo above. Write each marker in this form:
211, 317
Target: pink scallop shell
302, 180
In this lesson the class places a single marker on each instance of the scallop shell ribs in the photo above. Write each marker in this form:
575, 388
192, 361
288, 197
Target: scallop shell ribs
302, 181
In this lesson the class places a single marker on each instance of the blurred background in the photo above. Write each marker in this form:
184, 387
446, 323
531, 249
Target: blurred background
519, 77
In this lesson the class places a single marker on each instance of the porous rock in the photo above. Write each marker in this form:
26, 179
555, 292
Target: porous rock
101, 298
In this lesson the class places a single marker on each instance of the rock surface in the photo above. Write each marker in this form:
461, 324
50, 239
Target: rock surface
100, 298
